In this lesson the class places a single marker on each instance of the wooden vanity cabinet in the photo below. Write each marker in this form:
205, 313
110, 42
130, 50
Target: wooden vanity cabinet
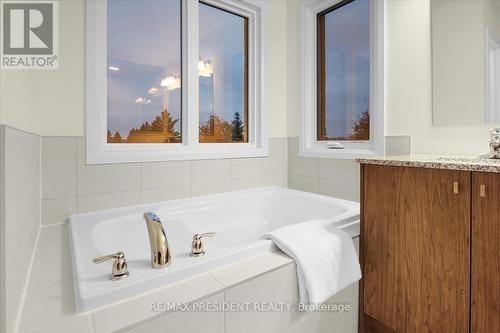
485, 287
417, 254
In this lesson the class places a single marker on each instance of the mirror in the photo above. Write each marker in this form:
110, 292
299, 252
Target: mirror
465, 62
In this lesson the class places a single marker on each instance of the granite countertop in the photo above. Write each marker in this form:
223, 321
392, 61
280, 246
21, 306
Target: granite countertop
436, 162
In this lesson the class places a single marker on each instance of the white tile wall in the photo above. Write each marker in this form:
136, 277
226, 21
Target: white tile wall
276, 164
165, 174
397, 145
136, 312
274, 287
333, 177
210, 171
194, 321
55, 211
70, 186
334, 322
339, 189
339, 170
105, 178
50, 308
303, 183
89, 203
210, 188
276, 180
58, 167
247, 168
20, 159
49, 304
246, 183
298, 165
165, 193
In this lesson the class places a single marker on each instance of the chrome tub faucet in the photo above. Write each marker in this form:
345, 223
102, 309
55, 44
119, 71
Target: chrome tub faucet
160, 252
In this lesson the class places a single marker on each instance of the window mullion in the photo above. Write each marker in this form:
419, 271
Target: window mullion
190, 94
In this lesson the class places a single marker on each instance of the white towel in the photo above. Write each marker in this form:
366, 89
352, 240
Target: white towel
325, 256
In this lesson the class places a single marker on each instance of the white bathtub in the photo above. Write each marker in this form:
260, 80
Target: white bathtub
238, 218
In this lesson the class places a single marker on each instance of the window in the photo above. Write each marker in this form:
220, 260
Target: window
173, 80
344, 71
143, 85
343, 96
223, 72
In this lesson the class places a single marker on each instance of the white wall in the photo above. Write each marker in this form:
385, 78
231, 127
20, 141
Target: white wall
293, 67
50, 102
3, 256
275, 67
408, 83
458, 60
16, 106
408, 104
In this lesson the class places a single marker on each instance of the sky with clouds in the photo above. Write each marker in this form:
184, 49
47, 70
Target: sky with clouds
347, 62
144, 46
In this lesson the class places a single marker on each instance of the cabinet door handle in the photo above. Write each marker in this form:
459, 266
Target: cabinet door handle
482, 191
455, 187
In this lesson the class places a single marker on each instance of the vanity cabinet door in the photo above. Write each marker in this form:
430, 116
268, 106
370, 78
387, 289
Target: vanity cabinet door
415, 249
485, 252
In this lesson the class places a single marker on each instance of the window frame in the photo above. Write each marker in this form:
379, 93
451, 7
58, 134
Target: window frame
99, 151
309, 145
246, 69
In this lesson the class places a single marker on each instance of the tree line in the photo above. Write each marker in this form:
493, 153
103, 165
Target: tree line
213, 127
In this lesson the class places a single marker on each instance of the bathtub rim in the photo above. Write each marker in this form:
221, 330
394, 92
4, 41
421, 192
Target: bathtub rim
353, 230
191, 201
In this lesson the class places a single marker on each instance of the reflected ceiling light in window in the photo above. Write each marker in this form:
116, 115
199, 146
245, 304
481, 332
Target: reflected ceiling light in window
171, 82
154, 91
142, 100
205, 68
114, 68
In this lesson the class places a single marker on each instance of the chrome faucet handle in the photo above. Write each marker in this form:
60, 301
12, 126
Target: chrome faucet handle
119, 270
197, 246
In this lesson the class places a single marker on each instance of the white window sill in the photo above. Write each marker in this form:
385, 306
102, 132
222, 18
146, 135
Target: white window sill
344, 154
177, 152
